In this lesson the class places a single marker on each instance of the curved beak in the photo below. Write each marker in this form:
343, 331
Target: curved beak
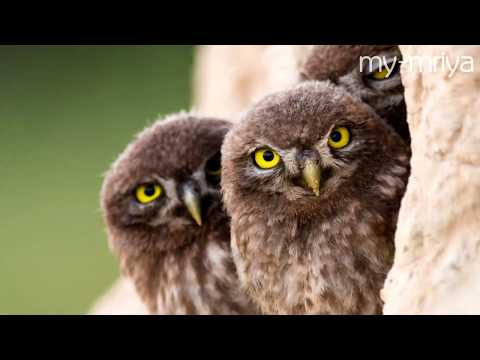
312, 175
191, 199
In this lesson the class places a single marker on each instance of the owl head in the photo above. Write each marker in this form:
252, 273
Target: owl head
308, 151
163, 190
369, 72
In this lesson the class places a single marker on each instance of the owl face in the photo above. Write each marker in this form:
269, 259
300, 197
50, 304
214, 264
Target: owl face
164, 189
305, 150
369, 72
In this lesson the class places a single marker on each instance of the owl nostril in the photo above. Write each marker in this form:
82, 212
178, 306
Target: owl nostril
190, 183
308, 154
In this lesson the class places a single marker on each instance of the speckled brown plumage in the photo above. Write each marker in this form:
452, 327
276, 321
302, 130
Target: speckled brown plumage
178, 267
297, 253
341, 65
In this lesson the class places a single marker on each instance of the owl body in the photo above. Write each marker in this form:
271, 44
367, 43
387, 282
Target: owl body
357, 69
318, 265
165, 220
196, 279
313, 248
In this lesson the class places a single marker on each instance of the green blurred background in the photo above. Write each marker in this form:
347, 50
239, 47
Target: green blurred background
65, 114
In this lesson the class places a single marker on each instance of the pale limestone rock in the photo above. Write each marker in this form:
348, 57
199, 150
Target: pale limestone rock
120, 299
437, 260
229, 78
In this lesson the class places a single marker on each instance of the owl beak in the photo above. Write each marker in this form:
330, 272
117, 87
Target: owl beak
312, 175
191, 199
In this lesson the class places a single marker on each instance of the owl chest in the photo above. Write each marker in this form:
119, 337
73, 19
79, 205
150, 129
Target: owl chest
200, 283
307, 269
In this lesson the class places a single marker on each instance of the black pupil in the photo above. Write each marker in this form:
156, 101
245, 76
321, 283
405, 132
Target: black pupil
149, 190
335, 136
397, 67
214, 164
268, 155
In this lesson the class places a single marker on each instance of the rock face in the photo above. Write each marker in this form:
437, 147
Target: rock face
437, 260
120, 299
229, 78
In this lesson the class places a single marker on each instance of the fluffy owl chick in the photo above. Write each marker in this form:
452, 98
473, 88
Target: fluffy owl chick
312, 180
165, 220
369, 72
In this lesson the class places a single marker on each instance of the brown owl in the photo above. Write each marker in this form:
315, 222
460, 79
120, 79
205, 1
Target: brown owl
162, 207
313, 178
369, 72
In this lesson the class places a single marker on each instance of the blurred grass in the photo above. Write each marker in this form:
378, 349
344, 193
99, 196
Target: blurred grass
65, 114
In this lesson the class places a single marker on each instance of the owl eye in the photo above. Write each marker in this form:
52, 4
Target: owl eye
383, 73
266, 158
213, 166
339, 138
148, 192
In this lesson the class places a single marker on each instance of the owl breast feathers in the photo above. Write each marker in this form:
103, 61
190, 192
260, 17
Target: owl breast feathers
312, 179
165, 220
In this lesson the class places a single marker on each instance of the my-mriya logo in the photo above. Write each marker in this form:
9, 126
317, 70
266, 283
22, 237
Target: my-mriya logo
441, 63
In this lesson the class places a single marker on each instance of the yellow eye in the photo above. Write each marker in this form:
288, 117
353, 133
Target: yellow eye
380, 75
266, 158
148, 192
215, 172
339, 138
214, 165
387, 71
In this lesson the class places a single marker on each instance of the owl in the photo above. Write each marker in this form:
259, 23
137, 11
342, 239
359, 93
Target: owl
165, 220
312, 178
369, 72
